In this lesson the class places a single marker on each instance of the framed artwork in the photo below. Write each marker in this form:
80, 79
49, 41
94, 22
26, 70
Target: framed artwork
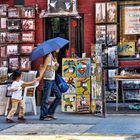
14, 24
111, 95
28, 12
69, 67
62, 7
99, 106
83, 103
83, 67
126, 49
112, 34
100, 12
98, 89
14, 12
82, 85
28, 24
68, 103
111, 80
3, 23
28, 37
98, 72
13, 63
3, 63
3, 53
3, 9
3, 36
13, 37
111, 12
12, 49
98, 53
104, 57
93, 87
112, 56
72, 84
101, 34
26, 48
25, 63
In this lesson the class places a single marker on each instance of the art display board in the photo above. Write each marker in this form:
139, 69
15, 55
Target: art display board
68, 103
69, 67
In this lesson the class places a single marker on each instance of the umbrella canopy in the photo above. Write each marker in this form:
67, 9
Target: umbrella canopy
47, 47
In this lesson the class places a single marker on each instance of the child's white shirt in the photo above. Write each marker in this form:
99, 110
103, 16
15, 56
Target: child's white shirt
17, 94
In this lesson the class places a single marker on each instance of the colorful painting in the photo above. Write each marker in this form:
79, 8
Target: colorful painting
72, 84
83, 67
68, 103
83, 85
69, 67
126, 49
83, 103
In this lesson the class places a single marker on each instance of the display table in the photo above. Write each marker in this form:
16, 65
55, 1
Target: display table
124, 78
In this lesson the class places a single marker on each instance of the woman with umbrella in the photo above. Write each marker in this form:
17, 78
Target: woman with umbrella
47, 49
49, 86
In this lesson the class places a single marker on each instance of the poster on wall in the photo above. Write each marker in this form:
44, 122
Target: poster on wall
13, 37
126, 49
83, 85
3, 9
83, 103
83, 67
132, 20
3, 36
111, 12
28, 24
14, 12
100, 12
101, 34
14, 24
13, 62
28, 36
3, 53
69, 67
112, 34
28, 12
3, 23
25, 64
68, 103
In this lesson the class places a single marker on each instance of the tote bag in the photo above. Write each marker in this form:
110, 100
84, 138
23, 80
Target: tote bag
61, 83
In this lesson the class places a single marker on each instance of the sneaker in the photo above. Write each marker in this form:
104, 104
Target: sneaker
9, 121
21, 119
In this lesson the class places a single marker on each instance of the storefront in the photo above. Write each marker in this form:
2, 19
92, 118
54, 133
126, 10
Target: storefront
117, 30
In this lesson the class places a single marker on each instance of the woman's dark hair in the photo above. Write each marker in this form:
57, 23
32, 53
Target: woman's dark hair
16, 74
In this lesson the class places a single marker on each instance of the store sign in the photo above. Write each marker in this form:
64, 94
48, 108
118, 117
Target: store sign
132, 20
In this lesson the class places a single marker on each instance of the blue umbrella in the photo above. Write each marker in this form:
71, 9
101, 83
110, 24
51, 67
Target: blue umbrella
47, 47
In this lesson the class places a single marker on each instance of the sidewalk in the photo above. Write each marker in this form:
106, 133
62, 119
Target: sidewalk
113, 127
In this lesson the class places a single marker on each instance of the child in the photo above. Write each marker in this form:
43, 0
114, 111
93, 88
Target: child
16, 89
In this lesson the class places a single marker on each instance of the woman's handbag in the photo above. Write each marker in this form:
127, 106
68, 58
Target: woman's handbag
61, 83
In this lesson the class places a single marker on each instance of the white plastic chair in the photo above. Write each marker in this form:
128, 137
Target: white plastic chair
32, 97
27, 77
